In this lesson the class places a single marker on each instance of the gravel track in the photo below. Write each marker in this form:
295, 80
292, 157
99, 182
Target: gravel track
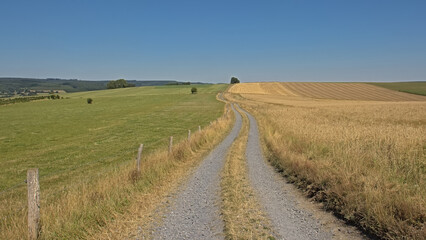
194, 212
280, 205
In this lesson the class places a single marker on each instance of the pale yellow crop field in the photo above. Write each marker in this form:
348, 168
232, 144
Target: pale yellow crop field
338, 91
364, 159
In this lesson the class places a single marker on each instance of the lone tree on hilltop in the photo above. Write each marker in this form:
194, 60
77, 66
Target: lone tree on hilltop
194, 90
234, 80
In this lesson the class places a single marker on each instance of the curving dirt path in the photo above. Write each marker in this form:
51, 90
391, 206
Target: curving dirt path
290, 218
194, 212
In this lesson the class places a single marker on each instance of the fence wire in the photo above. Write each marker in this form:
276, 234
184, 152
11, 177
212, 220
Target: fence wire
64, 171
13, 187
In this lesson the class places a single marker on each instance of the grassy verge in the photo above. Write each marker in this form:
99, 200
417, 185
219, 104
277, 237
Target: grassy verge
136, 221
241, 212
85, 153
365, 161
418, 88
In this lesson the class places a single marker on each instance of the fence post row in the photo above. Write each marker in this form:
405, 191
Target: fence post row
33, 186
138, 161
170, 144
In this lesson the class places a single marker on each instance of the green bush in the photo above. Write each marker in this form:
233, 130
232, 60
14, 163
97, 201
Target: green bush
89, 101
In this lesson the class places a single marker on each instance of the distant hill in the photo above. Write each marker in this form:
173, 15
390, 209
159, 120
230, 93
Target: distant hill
11, 86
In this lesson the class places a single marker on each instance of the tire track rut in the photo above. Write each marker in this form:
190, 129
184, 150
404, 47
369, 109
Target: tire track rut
194, 212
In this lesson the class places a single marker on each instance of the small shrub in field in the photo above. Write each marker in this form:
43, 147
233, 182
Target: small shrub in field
89, 101
194, 90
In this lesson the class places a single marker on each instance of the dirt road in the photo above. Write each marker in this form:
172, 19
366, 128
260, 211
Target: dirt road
194, 211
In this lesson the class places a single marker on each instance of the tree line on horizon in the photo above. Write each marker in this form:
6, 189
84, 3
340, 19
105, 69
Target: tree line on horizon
120, 83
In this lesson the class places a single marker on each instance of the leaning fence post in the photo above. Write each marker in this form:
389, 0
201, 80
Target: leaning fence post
33, 203
189, 135
199, 128
138, 161
170, 144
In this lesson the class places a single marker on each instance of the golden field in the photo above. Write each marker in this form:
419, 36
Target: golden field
339, 91
363, 159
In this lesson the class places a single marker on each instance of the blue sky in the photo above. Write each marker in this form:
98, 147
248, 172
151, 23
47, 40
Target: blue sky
210, 41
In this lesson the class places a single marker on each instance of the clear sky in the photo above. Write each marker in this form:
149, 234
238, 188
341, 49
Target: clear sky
210, 41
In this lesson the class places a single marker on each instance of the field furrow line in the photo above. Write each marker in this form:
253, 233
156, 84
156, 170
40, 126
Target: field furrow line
299, 89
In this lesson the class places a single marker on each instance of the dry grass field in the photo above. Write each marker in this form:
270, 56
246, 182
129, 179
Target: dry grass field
364, 159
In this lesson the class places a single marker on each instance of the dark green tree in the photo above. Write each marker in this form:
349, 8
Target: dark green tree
111, 84
234, 80
120, 83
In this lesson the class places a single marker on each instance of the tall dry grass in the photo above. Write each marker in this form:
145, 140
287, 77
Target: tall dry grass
82, 210
365, 161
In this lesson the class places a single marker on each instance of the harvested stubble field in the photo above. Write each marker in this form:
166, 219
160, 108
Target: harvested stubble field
365, 160
338, 91
85, 153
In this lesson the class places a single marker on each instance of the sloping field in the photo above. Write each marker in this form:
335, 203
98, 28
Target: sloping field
350, 91
85, 152
270, 88
338, 91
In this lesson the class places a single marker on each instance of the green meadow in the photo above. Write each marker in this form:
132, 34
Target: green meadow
418, 88
70, 140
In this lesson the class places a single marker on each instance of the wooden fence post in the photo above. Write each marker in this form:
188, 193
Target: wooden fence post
138, 161
199, 128
170, 144
189, 135
33, 203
